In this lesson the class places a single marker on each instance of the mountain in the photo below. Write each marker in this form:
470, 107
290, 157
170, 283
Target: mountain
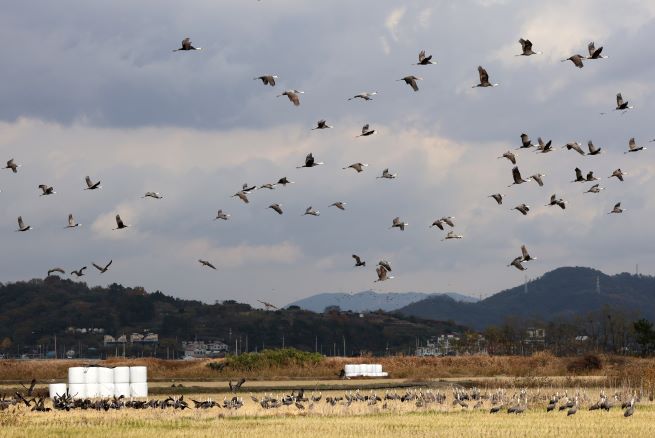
561, 293
35, 311
370, 301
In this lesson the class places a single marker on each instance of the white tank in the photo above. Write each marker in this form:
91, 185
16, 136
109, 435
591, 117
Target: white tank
139, 390
76, 375
91, 375
105, 375
77, 390
138, 374
92, 390
56, 389
122, 375
106, 390
122, 389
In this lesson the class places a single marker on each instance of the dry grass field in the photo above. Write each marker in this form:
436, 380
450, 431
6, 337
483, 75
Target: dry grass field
400, 367
541, 375
357, 420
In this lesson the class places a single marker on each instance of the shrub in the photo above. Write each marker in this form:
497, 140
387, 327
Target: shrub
589, 362
278, 358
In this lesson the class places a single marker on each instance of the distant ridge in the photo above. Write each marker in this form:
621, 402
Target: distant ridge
561, 293
370, 301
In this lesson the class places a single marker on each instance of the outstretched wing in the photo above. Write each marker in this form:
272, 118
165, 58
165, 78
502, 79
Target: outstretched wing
484, 77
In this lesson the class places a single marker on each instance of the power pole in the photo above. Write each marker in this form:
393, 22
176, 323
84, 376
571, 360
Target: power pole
344, 345
315, 344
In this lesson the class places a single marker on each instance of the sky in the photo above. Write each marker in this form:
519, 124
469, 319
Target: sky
95, 89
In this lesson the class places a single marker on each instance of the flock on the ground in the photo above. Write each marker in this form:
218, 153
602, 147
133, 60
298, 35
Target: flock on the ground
383, 268
473, 399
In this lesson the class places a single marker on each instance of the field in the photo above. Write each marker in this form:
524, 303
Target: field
502, 379
359, 419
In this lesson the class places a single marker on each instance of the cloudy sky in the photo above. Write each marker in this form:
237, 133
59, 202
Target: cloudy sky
94, 89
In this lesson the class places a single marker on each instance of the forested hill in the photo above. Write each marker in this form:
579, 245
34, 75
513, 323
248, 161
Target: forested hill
561, 293
33, 312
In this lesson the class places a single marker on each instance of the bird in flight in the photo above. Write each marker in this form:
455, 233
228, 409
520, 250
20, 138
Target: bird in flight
364, 96
576, 60
11, 164
617, 209
387, 175
153, 195
103, 269
498, 197
383, 270
322, 124
310, 211
22, 226
595, 53
267, 79
574, 146
411, 81
358, 261
516, 175
207, 264
632, 146
510, 156
186, 45
424, 60
241, 195
397, 223
221, 215
119, 223
340, 205
71, 222
276, 207
526, 48
451, 235
484, 79
618, 173
293, 96
555, 201
523, 209
366, 131
90, 185
517, 263
310, 162
544, 148
47, 190
284, 181
268, 305
357, 166
60, 270
79, 272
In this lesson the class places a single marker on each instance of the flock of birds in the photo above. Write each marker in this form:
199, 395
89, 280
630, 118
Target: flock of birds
383, 267
495, 401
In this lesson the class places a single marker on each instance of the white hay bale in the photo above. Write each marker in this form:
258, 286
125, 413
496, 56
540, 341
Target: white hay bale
122, 389
76, 375
91, 376
77, 390
106, 389
56, 389
122, 375
105, 375
139, 390
138, 375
